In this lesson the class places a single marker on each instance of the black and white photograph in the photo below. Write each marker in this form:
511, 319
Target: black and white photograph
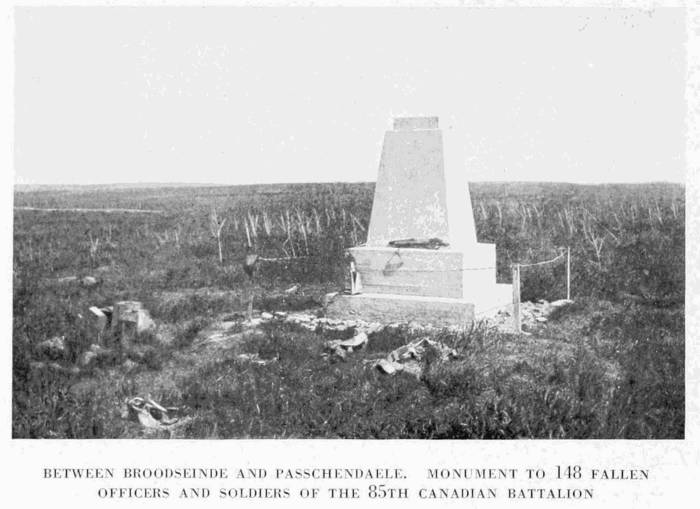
310, 222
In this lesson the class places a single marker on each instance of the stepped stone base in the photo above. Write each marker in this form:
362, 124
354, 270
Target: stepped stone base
449, 273
387, 308
439, 311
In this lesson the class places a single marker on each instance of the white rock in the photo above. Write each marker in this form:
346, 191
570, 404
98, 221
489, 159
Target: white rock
88, 281
53, 347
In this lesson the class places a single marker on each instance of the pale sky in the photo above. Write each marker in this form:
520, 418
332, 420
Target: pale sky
239, 95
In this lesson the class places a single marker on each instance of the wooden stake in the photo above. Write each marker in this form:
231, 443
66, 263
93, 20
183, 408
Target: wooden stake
249, 311
516, 299
568, 273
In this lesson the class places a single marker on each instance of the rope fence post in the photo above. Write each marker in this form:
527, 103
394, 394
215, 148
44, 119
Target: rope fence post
568, 273
516, 298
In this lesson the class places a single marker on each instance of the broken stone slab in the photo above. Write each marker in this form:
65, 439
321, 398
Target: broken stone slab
88, 282
301, 317
54, 366
67, 279
341, 347
254, 358
99, 321
357, 341
373, 328
335, 328
53, 348
412, 356
150, 414
87, 359
93, 355
222, 337
129, 365
338, 354
388, 367
561, 302
252, 323
129, 321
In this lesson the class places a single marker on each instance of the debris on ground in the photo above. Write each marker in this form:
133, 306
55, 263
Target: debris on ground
130, 320
254, 358
54, 366
150, 414
532, 314
337, 349
327, 299
67, 279
224, 335
293, 289
94, 355
128, 365
99, 319
412, 357
89, 282
53, 348
354, 343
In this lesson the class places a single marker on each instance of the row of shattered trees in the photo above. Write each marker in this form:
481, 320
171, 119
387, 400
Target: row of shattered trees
625, 241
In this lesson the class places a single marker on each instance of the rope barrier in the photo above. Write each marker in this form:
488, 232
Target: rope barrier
428, 270
541, 263
283, 258
463, 269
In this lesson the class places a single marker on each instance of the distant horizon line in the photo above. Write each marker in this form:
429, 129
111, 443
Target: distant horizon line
217, 184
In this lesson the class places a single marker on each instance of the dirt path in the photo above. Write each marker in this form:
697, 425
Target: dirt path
127, 211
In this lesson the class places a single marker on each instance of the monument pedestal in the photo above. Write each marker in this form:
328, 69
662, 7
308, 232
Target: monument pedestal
441, 287
415, 198
444, 272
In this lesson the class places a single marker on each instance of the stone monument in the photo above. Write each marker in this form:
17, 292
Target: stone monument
422, 261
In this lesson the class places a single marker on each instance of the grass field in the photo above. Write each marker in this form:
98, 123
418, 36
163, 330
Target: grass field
611, 365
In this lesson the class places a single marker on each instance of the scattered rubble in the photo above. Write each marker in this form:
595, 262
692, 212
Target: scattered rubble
99, 320
87, 358
337, 349
128, 365
67, 279
354, 343
89, 282
328, 298
532, 314
254, 358
94, 355
54, 366
53, 348
129, 321
150, 414
85, 281
412, 357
